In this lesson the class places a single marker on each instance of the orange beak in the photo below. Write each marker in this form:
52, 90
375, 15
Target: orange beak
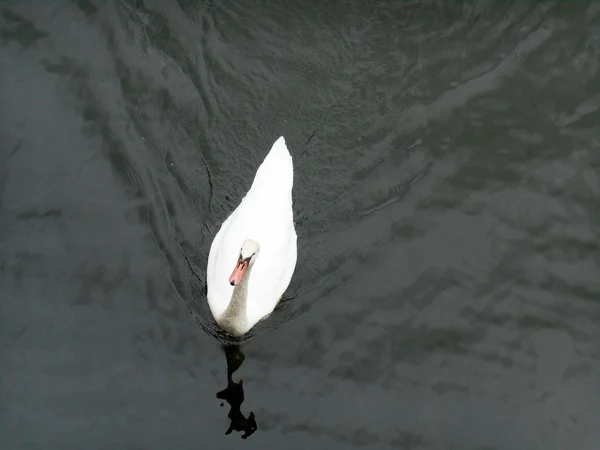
238, 272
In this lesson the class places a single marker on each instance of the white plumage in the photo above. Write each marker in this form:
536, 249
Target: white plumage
264, 215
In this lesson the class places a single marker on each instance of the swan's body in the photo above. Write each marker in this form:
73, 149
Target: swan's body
257, 242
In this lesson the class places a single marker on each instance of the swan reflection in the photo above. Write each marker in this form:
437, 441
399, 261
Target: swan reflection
234, 394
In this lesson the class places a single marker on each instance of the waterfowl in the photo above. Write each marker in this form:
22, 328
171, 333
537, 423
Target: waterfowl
253, 255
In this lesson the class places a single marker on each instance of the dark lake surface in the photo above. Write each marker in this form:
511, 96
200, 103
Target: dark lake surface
447, 184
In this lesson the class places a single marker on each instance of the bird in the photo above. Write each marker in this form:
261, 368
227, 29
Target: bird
253, 256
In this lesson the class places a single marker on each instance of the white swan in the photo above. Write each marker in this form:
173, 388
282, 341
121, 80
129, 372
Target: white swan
253, 256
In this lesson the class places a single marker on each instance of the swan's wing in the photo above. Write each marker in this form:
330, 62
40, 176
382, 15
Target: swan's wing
272, 270
218, 293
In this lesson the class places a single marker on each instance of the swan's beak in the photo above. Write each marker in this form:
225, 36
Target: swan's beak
238, 272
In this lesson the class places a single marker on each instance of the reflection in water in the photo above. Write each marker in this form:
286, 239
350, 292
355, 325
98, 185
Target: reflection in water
234, 394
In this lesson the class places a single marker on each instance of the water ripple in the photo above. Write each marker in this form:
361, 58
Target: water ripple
446, 177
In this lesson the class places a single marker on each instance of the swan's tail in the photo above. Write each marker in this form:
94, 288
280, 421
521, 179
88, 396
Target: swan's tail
277, 167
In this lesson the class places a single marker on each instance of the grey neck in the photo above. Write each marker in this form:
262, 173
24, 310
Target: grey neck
234, 318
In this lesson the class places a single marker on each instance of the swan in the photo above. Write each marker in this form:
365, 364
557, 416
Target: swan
253, 255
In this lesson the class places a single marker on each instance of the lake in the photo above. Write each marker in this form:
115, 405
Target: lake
447, 176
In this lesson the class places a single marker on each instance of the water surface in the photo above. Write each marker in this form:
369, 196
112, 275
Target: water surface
447, 163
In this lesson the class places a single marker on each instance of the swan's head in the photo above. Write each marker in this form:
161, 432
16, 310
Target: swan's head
248, 254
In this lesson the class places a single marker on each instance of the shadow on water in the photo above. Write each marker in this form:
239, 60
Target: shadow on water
234, 394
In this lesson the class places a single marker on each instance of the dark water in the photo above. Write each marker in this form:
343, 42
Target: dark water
447, 162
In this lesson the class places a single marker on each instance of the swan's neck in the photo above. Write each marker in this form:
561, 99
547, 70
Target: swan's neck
234, 318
